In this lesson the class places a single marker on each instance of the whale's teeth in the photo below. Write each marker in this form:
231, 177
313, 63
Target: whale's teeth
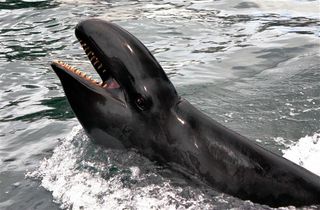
99, 67
95, 63
105, 85
90, 77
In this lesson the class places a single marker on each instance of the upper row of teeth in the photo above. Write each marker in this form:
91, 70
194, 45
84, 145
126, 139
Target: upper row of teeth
80, 73
94, 60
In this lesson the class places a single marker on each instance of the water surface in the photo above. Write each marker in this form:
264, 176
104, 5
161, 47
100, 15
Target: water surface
251, 65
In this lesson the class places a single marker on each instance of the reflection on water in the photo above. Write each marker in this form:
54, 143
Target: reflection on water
58, 108
20, 4
252, 65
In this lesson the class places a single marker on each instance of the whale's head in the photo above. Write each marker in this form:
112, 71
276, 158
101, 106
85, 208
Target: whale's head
132, 96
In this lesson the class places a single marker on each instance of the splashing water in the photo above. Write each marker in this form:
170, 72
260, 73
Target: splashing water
306, 153
83, 175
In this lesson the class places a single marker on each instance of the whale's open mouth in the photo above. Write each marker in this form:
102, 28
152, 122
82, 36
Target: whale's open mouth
107, 80
127, 69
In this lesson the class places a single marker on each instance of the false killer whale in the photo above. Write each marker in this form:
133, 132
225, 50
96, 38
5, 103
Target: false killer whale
136, 106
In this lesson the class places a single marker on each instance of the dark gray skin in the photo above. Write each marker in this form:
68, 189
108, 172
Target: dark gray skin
145, 112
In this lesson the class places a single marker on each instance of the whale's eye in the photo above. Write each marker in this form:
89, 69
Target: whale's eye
142, 103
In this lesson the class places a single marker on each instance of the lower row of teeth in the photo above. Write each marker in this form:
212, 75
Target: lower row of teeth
82, 74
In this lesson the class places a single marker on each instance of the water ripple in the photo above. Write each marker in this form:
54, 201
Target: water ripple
252, 65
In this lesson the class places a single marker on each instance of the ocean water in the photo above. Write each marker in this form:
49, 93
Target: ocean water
254, 66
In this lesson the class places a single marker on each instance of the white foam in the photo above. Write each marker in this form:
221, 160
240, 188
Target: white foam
306, 153
82, 175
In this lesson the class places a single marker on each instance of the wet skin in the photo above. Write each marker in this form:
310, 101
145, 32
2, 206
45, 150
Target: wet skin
136, 106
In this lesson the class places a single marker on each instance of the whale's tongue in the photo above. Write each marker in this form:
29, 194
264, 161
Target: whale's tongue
111, 84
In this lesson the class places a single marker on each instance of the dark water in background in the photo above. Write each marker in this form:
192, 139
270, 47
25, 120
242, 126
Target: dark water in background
251, 65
